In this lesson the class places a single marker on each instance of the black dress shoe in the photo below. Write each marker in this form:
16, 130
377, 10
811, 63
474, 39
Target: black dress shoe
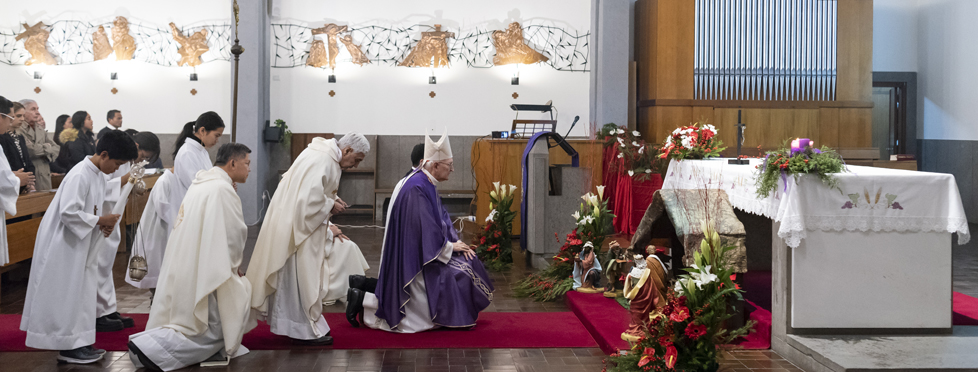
106, 324
147, 363
363, 283
126, 322
322, 341
354, 306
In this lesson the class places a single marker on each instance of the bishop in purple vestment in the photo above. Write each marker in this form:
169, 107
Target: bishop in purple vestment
427, 278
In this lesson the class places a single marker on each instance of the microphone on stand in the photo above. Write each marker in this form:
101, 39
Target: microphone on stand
576, 118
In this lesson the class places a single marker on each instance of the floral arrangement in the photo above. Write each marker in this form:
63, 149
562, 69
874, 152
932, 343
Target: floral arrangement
593, 225
637, 158
697, 141
801, 158
495, 248
686, 334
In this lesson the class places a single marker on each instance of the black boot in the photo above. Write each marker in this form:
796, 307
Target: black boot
106, 324
322, 341
126, 322
363, 283
147, 363
354, 306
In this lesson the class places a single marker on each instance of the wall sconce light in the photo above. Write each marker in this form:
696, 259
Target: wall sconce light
37, 75
114, 76
332, 78
432, 80
193, 77
515, 80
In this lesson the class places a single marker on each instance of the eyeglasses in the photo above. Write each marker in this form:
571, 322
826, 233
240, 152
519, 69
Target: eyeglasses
8, 116
449, 165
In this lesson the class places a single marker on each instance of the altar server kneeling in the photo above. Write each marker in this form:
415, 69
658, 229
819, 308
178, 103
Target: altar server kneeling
200, 311
59, 310
296, 250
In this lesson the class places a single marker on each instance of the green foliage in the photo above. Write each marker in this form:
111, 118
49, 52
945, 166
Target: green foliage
287, 136
781, 163
634, 154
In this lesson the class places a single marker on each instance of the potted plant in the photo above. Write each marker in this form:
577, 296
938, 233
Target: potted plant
278, 133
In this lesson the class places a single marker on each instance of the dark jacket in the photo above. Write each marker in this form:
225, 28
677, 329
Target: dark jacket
80, 148
16, 159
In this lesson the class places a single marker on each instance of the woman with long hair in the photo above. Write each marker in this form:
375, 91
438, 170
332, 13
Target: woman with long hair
61, 124
10, 180
190, 155
85, 144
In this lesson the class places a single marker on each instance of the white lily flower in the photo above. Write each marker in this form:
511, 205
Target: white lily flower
679, 288
492, 216
636, 133
589, 219
620, 155
594, 200
586, 197
648, 171
495, 185
621, 140
634, 143
576, 215
621, 131
631, 173
596, 210
492, 194
600, 192
641, 149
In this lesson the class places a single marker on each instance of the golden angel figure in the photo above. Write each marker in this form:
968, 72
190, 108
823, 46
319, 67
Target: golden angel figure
123, 43
191, 48
355, 51
317, 55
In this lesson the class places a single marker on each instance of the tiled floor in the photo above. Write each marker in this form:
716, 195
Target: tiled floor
134, 300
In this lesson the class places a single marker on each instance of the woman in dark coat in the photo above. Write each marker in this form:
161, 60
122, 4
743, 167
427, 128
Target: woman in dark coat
15, 147
85, 144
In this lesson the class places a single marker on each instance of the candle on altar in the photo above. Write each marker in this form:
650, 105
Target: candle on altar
799, 144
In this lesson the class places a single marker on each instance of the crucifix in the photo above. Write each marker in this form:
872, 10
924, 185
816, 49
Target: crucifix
740, 141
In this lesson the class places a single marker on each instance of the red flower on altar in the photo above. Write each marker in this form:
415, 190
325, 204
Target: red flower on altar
494, 247
649, 356
671, 356
497, 234
483, 240
665, 341
694, 331
679, 314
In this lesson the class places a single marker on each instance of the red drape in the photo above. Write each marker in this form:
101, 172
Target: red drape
627, 198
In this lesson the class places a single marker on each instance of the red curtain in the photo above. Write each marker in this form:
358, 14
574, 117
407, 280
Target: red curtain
627, 198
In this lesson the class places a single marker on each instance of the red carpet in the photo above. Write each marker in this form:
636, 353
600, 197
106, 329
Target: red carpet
494, 330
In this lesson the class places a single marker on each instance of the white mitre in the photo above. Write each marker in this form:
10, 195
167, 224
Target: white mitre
437, 151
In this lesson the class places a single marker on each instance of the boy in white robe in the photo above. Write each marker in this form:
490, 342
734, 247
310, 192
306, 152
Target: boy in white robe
60, 305
108, 319
202, 304
10, 181
291, 254
153, 232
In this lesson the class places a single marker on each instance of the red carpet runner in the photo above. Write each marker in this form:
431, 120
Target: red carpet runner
494, 330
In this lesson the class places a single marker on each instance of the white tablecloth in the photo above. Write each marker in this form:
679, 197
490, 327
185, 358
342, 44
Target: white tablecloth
871, 199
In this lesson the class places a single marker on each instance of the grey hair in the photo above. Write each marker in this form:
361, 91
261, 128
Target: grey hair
28, 101
355, 141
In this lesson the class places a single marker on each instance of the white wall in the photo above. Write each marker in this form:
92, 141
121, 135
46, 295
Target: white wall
383, 99
895, 32
151, 97
947, 73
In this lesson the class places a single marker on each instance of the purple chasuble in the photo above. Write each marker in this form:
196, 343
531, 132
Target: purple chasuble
418, 229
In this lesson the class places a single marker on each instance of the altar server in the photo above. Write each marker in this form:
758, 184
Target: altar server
108, 318
59, 309
154, 231
190, 155
202, 304
428, 278
10, 181
296, 249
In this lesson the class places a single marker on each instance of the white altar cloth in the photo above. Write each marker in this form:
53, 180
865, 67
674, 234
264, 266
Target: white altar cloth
868, 199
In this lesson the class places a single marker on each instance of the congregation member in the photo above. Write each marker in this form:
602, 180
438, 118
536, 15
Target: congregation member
42, 149
58, 166
149, 149
84, 145
201, 309
61, 292
10, 181
62, 164
296, 248
15, 147
114, 118
190, 154
61, 124
428, 278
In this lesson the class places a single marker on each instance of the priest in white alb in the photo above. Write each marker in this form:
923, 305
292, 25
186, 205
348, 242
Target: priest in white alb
296, 248
201, 306
428, 277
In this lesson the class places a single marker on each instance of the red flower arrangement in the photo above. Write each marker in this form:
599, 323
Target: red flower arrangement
697, 141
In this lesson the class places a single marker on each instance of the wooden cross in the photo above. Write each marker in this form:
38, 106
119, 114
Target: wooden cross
30, 30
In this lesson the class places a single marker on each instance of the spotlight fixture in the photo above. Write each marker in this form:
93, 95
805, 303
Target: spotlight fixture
114, 76
332, 78
37, 75
432, 80
515, 80
193, 77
